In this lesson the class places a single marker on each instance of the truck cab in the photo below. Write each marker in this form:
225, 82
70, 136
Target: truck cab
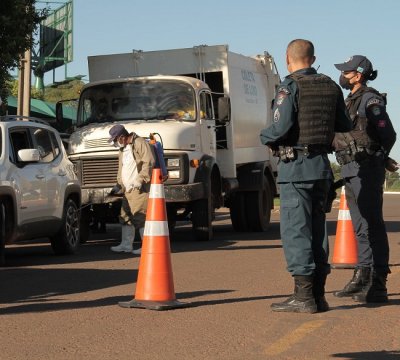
207, 106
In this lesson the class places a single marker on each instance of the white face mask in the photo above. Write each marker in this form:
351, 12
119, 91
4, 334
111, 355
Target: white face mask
118, 145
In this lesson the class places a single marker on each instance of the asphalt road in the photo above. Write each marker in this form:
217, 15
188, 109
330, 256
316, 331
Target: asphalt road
65, 307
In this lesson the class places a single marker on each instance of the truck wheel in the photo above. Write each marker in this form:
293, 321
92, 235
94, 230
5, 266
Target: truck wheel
202, 214
66, 241
85, 225
2, 234
258, 207
237, 212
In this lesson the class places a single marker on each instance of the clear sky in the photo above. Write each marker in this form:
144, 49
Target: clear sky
338, 29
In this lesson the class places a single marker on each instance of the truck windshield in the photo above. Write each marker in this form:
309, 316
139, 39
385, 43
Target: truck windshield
137, 100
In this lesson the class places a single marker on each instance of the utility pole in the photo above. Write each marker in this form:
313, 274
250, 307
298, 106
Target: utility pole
24, 85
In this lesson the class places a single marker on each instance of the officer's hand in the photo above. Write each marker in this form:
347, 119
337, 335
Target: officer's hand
115, 190
391, 165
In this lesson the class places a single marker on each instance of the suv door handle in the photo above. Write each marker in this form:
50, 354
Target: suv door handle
40, 176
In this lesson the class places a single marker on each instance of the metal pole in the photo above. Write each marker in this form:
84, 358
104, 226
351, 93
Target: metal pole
27, 84
21, 72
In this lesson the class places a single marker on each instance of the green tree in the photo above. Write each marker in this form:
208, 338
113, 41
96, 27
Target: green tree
18, 22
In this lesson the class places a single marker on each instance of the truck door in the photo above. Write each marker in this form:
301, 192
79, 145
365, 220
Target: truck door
207, 124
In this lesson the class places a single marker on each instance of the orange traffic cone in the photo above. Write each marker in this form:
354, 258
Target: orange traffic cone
155, 285
345, 249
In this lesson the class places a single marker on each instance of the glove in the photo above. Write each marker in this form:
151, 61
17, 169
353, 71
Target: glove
391, 165
137, 184
115, 190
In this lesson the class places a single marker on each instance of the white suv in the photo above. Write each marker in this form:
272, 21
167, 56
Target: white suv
40, 194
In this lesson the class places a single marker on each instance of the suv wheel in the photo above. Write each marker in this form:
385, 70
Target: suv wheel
66, 241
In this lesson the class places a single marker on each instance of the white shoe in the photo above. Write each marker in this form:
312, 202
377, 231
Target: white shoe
121, 248
137, 252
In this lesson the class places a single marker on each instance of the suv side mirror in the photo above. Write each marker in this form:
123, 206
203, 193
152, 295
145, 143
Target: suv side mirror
28, 155
224, 109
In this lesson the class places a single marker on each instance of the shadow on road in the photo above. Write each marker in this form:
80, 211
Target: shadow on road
369, 355
35, 290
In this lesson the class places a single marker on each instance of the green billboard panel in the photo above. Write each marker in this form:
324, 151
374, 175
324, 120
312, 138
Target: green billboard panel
56, 38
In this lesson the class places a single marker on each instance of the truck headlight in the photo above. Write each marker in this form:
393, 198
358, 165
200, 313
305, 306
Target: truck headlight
173, 162
174, 174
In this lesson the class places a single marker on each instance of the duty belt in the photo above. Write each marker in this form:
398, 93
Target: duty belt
290, 153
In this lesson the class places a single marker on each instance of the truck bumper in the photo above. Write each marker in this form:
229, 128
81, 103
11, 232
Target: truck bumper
184, 193
98, 196
173, 193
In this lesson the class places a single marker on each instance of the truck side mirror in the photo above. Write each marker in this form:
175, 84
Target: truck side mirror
224, 109
59, 114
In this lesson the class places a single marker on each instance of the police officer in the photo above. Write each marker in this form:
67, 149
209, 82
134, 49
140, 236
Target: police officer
308, 109
363, 154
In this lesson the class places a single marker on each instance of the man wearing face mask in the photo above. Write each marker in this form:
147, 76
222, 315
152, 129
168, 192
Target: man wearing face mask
308, 109
136, 161
363, 154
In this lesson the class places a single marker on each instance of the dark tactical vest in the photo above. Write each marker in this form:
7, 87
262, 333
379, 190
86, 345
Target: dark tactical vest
316, 112
362, 140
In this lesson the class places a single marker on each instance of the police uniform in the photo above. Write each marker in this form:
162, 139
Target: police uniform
363, 169
305, 177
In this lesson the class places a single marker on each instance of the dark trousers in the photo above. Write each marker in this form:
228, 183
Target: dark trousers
364, 195
303, 227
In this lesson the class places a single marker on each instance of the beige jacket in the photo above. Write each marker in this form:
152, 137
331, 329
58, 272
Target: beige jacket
145, 160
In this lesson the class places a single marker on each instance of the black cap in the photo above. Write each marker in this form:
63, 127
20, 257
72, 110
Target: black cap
116, 131
357, 63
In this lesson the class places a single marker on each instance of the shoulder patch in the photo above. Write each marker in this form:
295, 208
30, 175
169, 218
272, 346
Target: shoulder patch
376, 110
283, 90
373, 101
277, 115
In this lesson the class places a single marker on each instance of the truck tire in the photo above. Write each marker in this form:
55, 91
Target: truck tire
237, 212
202, 214
258, 205
2, 234
66, 241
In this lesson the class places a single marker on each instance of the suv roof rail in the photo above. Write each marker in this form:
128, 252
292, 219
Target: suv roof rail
23, 118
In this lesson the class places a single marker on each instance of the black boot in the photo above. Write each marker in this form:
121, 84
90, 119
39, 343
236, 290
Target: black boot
302, 300
375, 290
360, 278
319, 290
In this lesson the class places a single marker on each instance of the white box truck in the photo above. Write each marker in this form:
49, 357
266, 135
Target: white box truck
213, 153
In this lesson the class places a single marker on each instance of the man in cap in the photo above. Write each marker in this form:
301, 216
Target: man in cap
136, 161
363, 154
308, 108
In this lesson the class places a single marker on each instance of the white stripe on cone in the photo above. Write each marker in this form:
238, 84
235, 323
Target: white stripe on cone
344, 215
156, 191
156, 228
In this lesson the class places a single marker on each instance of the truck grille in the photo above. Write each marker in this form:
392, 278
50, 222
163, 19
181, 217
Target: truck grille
99, 172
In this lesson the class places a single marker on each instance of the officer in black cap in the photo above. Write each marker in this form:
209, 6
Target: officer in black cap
307, 109
363, 154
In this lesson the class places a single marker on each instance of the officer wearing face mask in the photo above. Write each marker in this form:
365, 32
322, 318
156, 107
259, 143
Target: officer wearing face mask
363, 154
136, 161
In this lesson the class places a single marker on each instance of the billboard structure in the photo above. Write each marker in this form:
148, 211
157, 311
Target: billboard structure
55, 44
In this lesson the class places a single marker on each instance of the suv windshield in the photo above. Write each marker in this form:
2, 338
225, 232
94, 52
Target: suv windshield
137, 100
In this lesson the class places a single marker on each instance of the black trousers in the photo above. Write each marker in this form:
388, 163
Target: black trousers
364, 195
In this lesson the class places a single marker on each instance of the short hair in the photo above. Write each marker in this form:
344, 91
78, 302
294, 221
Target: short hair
300, 49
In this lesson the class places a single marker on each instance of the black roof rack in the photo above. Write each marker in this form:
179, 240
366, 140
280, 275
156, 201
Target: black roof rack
22, 118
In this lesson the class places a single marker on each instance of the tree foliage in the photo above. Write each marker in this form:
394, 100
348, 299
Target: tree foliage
18, 22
